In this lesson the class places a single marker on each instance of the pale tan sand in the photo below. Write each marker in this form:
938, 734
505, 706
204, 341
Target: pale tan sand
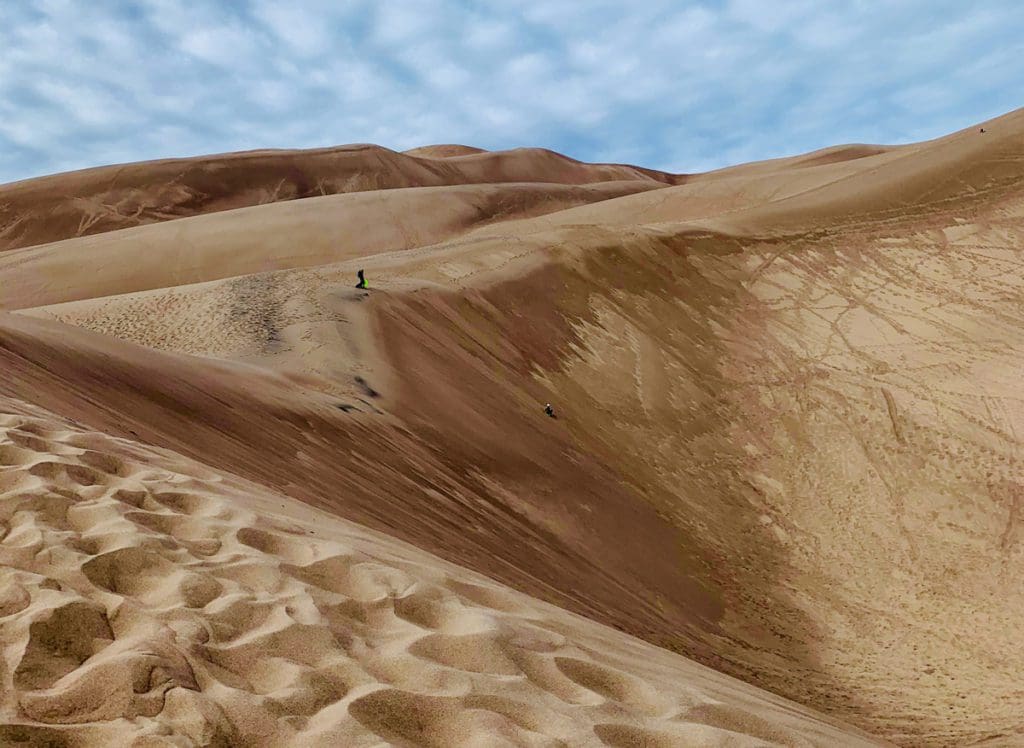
148, 600
443, 150
297, 233
788, 443
92, 201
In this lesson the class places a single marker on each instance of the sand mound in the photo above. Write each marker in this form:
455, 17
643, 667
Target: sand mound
296, 233
146, 601
92, 201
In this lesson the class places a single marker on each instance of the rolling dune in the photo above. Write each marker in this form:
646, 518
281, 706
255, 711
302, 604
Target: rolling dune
296, 233
786, 447
91, 201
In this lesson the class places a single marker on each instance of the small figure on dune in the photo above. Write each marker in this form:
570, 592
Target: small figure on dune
362, 280
983, 131
549, 410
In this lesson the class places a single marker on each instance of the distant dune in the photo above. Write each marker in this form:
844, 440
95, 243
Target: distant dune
245, 502
92, 201
296, 233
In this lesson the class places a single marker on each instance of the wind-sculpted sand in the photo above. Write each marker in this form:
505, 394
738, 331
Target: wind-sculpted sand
147, 600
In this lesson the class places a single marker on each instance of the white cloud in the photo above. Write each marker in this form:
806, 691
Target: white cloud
778, 16
488, 35
226, 46
89, 106
669, 84
302, 28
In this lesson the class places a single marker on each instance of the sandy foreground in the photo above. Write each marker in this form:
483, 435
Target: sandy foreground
148, 600
245, 503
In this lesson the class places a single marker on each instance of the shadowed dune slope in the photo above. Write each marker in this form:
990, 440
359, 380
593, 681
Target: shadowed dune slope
787, 436
359, 645
148, 600
47, 209
255, 423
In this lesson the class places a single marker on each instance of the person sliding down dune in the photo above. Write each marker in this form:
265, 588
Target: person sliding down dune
362, 280
549, 410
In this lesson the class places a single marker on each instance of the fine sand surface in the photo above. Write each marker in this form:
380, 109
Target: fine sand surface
147, 600
787, 446
296, 233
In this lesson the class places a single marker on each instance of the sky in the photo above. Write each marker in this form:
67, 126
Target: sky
669, 84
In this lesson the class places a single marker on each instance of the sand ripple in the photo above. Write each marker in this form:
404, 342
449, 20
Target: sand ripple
144, 602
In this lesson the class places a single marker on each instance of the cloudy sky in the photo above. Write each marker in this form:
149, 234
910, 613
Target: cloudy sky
671, 84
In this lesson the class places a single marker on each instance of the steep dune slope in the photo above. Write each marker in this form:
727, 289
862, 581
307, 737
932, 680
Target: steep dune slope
787, 435
826, 412
284, 433
47, 209
833, 427
149, 600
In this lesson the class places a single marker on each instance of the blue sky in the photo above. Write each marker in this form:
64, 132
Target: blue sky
682, 86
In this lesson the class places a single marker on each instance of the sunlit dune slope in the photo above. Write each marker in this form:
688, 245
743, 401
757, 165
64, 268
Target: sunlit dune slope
296, 233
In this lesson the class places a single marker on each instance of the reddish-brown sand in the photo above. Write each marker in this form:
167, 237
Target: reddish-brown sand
786, 448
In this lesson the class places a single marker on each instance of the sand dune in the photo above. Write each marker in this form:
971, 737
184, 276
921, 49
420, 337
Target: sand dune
92, 201
786, 447
149, 600
296, 233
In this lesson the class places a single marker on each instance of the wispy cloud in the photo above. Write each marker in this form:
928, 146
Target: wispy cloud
669, 84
